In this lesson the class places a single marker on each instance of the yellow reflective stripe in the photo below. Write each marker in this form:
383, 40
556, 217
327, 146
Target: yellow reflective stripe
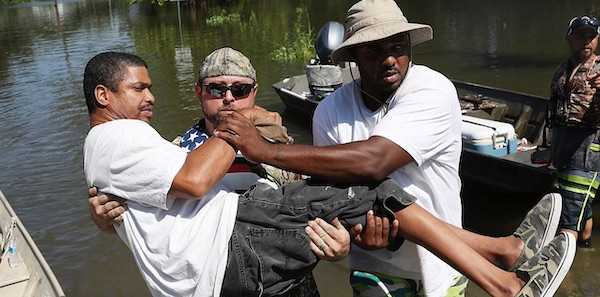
587, 196
594, 147
577, 190
580, 180
458, 288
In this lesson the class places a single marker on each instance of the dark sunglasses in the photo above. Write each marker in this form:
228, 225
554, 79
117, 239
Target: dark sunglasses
238, 91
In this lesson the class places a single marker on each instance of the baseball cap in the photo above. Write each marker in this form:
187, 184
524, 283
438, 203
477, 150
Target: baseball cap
583, 22
226, 61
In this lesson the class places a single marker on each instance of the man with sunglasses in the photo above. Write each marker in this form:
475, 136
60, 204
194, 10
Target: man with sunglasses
227, 81
230, 87
575, 118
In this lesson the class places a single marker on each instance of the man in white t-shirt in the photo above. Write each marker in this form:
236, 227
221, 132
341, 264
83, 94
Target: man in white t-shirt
399, 120
124, 156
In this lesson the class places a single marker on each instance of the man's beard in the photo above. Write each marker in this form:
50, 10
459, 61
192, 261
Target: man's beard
214, 119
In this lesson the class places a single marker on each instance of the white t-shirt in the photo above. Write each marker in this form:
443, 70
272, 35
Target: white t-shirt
180, 245
424, 119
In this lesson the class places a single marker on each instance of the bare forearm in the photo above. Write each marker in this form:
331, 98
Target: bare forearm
203, 168
357, 162
349, 163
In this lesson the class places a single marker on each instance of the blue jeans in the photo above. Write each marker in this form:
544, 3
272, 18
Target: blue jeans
269, 252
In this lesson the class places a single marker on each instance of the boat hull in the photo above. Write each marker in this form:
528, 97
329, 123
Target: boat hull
25, 273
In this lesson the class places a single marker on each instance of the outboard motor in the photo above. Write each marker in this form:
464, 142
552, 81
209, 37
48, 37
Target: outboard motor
323, 76
330, 36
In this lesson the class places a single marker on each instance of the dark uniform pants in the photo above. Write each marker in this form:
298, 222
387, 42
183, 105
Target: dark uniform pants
576, 155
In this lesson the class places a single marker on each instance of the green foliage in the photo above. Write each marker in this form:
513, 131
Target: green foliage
221, 17
9, 2
297, 46
154, 2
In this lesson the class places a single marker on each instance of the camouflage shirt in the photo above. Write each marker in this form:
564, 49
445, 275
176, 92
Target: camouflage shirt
574, 101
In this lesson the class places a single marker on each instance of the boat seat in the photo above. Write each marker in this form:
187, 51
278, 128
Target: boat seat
483, 107
522, 122
499, 112
518, 115
521, 116
12, 275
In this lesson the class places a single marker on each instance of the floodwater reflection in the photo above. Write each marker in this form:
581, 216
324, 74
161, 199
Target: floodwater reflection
43, 50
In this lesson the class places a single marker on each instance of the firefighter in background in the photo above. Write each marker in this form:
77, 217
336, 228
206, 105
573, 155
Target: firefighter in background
575, 114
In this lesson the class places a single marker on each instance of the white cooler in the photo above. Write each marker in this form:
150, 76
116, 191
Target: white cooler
488, 137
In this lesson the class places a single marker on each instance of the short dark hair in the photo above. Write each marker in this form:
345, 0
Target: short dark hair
106, 69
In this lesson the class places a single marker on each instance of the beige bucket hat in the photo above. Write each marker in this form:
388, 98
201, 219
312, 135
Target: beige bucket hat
370, 20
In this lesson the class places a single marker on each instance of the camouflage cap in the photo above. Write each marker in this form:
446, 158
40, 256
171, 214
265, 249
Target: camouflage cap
226, 61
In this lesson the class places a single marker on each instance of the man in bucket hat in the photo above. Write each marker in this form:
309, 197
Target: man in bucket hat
403, 121
425, 124
419, 112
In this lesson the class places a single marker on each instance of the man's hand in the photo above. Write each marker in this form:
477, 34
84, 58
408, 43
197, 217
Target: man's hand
376, 234
240, 132
328, 242
105, 210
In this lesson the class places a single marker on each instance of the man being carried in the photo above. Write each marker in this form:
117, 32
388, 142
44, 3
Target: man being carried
227, 81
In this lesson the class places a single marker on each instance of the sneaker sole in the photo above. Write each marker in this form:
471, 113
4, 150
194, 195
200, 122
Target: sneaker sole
563, 268
553, 220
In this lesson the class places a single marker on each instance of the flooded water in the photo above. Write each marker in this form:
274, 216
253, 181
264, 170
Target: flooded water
43, 49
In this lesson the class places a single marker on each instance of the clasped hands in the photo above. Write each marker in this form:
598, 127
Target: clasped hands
239, 129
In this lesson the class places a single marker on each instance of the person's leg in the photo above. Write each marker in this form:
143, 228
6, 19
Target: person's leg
578, 188
536, 230
585, 236
502, 251
276, 218
543, 272
307, 288
420, 227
